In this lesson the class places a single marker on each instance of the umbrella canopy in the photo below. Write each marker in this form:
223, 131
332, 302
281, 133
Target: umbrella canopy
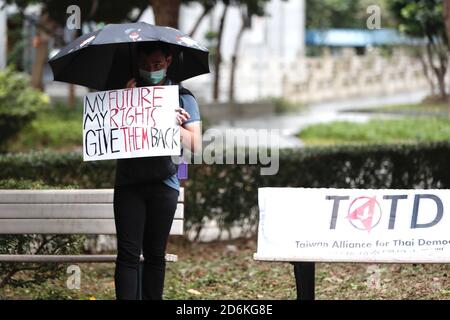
106, 59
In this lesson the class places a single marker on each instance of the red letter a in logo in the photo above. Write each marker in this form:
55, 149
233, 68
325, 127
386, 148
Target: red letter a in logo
363, 214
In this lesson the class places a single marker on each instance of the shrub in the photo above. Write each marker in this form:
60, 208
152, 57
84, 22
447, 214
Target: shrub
58, 127
283, 105
228, 193
19, 104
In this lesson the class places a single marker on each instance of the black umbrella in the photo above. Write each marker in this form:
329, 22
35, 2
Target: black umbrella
106, 59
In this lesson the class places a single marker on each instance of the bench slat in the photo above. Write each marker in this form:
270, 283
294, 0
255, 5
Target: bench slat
62, 196
69, 226
63, 211
69, 258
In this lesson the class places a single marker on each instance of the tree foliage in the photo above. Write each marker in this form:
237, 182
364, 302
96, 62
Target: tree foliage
419, 18
425, 19
325, 14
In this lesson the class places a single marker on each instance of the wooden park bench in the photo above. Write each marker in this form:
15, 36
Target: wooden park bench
71, 211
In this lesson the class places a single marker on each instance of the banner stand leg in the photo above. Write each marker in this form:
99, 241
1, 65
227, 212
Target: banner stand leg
304, 279
140, 278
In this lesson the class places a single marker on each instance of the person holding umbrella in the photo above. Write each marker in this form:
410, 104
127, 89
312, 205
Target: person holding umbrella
144, 208
146, 189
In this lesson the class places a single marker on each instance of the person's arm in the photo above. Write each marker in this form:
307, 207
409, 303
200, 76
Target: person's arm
190, 133
191, 136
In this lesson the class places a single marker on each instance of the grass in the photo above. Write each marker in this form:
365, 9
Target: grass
377, 131
430, 107
226, 270
433, 107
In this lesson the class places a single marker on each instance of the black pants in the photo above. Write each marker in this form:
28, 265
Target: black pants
143, 215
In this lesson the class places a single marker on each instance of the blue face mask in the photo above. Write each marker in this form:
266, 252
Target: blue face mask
153, 77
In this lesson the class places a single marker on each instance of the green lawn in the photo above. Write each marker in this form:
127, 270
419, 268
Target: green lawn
226, 270
432, 107
437, 108
378, 131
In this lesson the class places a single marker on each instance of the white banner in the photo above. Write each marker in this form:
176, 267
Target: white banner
129, 123
360, 225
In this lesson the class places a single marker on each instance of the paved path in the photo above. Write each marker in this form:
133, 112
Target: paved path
290, 124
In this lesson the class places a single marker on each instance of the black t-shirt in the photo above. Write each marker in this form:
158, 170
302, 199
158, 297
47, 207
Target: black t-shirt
145, 169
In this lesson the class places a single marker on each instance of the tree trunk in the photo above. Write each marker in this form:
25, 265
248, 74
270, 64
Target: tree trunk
439, 72
443, 60
76, 34
71, 96
218, 56
206, 10
40, 43
441, 85
166, 12
426, 72
234, 59
446, 11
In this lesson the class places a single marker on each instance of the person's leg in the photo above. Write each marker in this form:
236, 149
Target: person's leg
161, 207
129, 215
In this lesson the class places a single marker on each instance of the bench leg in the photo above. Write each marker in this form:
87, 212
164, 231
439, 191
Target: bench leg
304, 279
140, 277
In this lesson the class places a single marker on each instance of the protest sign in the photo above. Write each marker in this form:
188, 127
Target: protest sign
132, 122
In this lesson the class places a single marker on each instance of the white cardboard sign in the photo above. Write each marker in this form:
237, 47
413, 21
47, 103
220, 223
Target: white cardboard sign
129, 123
360, 225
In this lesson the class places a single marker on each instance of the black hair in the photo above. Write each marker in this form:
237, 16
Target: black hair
150, 47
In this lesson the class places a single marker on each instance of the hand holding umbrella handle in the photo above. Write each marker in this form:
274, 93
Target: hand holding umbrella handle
131, 83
